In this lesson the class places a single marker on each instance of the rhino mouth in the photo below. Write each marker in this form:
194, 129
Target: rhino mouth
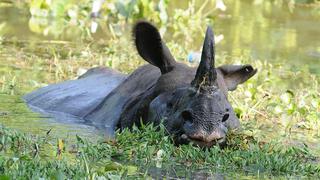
184, 139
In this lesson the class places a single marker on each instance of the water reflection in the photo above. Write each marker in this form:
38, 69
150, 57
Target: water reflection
265, 30
269, 32
183, 172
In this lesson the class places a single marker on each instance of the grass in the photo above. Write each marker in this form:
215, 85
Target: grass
32, 157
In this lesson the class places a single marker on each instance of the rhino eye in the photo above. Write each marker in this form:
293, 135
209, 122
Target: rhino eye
187, 116
192, 94
225, 117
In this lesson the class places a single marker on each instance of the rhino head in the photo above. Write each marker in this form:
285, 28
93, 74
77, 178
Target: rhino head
191, 103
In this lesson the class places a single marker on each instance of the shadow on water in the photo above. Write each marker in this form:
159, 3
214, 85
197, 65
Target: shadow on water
263, 31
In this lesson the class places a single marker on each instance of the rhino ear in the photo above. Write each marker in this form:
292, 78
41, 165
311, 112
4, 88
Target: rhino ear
151, 47
236, 74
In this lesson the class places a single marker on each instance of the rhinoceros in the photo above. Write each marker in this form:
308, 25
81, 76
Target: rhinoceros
190, 102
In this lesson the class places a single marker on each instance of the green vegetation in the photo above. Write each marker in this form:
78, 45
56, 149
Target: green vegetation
31, 157
279, 108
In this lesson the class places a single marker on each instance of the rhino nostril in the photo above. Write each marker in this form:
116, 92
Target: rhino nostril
225, 117
170, 105
187, 116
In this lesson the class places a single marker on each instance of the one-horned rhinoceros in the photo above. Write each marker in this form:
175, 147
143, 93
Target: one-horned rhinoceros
191, 102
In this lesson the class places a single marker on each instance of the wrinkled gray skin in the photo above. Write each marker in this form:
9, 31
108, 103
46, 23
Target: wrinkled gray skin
192, 103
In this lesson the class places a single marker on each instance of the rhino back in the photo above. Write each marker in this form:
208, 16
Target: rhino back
108, 113
75, 98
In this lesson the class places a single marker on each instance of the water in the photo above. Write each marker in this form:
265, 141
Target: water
262, 30
266, 31
19, 46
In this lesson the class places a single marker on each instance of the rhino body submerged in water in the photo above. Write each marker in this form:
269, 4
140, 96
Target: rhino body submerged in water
191, 102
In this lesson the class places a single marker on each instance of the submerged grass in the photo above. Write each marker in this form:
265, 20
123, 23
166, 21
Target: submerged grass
30, 157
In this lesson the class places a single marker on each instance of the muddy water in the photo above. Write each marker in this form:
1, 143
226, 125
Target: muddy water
20, 44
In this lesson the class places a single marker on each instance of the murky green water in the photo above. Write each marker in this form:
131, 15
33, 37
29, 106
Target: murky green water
261, 30
268, 32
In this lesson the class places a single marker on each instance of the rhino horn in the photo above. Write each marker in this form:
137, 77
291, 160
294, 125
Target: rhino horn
206, 74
